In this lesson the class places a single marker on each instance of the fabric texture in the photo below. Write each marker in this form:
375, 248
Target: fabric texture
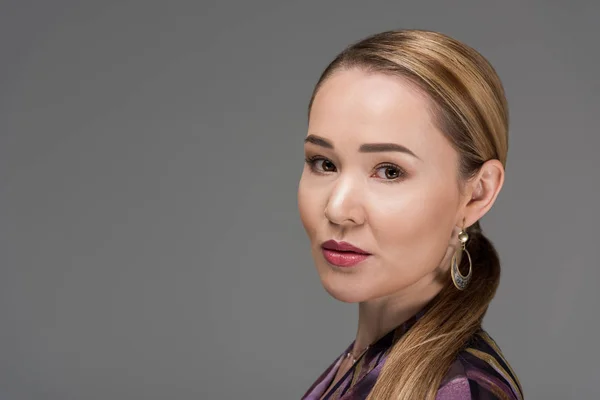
480, 371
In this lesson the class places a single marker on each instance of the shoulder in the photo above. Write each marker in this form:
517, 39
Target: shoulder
480, 372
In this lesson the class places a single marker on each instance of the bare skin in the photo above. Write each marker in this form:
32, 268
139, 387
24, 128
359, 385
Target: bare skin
404, 207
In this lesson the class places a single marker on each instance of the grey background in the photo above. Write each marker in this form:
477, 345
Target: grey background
149, 159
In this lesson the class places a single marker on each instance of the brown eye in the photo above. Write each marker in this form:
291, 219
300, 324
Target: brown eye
390, 172
328, 166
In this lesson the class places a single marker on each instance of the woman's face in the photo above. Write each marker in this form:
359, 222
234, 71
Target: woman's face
383, 178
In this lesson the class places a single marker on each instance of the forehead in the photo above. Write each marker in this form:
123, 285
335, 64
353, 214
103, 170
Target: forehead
353, 105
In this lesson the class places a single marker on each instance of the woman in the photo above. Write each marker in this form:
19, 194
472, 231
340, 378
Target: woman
405, 152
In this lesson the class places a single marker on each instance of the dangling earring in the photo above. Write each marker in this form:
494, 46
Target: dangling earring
461, 281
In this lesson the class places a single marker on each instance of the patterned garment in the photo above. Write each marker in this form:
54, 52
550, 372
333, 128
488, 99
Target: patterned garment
479, 372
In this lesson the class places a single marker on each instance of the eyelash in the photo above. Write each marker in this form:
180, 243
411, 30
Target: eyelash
401, 173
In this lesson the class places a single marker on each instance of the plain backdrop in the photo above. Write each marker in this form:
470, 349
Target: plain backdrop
149, 159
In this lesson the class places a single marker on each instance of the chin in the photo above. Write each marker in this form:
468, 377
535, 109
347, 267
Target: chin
345, 296
343, 289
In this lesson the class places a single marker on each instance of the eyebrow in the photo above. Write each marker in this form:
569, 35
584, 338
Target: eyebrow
364, 148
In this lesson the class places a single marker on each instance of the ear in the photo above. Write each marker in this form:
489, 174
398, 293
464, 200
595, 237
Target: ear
481, 191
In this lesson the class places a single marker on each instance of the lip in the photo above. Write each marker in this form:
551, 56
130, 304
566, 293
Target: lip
342, 246
343, 254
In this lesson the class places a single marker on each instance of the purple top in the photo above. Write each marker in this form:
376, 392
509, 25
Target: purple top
480, 371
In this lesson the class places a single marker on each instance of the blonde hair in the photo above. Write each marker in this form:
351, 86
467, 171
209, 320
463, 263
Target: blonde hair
468, 105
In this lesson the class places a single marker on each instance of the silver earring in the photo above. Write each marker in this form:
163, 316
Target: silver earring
461, 281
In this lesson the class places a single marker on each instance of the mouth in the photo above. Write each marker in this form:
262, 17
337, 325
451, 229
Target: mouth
343, 254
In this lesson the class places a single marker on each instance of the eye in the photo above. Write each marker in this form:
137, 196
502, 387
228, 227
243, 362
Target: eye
391, 172
325, 164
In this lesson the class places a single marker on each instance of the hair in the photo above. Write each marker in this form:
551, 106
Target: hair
468, 104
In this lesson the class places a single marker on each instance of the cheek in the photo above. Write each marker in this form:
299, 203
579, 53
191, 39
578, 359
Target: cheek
412, 229
308, 207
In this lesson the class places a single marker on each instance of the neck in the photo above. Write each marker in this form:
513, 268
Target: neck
379, 316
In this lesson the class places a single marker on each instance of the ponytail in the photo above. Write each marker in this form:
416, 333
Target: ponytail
418, 362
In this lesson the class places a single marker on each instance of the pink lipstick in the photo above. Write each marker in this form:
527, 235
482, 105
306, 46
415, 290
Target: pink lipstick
343, 254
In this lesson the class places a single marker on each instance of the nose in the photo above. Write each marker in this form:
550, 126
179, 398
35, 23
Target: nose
345, 204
